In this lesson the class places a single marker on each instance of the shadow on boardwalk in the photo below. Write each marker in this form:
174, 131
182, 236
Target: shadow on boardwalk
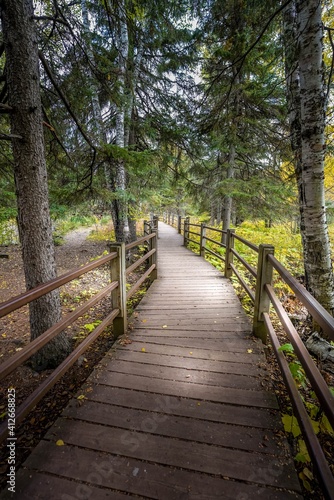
178, 410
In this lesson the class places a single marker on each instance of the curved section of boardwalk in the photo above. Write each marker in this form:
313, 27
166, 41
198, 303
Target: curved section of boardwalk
179, 410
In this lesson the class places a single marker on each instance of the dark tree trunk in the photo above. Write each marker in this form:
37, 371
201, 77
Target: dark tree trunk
30, 171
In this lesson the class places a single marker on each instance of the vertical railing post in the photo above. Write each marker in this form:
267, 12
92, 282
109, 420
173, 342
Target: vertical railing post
118, 296
168, 217
186, 231
153, 259
173, 219
262, 302
202, 241
229, 253
156, 225
179, 223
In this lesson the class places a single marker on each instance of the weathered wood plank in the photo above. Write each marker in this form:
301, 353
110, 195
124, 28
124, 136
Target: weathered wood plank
200, 392
186, 407
188, 363
33, 485
193, 352
209, 344
236, 464
202, 431
150, 480
181, 374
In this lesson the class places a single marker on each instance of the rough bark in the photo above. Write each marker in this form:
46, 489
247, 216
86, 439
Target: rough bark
30, 172
318, 267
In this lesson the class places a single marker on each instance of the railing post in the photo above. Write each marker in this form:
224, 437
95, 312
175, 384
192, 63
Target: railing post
185, 231
179, 223
155, 223
153, 259
202, 241
229, 253
262, 302
168, 218
118, 296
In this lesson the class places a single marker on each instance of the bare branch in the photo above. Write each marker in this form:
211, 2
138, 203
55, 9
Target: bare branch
9, 137
50, 18
329, 30
4, 108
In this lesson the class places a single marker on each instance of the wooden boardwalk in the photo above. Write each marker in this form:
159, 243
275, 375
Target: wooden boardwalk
179, 410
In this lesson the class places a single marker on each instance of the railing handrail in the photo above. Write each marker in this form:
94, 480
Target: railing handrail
40, 290
118, 315
317, 311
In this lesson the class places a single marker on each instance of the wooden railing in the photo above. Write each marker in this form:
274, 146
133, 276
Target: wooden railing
117, 316
262, 294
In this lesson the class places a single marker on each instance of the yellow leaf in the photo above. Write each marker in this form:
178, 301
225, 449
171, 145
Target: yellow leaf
190, 352
144, 320
82, 396
249, 351
60, 442
4, 335
164, 326
143, 349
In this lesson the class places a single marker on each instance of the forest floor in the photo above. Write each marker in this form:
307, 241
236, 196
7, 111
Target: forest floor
75, 251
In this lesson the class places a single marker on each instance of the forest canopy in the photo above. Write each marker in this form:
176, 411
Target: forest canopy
197, 107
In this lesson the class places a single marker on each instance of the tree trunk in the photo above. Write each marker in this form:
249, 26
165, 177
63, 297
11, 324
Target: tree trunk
227, 211
120, 205
317, 261
30, 172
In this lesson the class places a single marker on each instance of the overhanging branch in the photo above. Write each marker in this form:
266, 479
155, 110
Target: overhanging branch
65, 101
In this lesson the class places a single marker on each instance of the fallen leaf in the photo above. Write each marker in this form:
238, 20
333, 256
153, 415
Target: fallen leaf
190, 352
4, 335
164, 326
82, 396
60, 442
249, 351
143, 349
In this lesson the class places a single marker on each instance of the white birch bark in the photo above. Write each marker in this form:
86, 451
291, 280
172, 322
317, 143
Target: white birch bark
318, 267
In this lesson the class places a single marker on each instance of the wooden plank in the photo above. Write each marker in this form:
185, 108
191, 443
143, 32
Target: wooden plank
201, 431
237, 337
189, 363
150, 480
186, 407
199, 457
187, 352
32, 485
190, 342
200, 392
189, 376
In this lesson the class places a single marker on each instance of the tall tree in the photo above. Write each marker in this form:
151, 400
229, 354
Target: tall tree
307, 110
22, 78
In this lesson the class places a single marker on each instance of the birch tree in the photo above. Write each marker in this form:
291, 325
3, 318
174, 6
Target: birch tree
307, 111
